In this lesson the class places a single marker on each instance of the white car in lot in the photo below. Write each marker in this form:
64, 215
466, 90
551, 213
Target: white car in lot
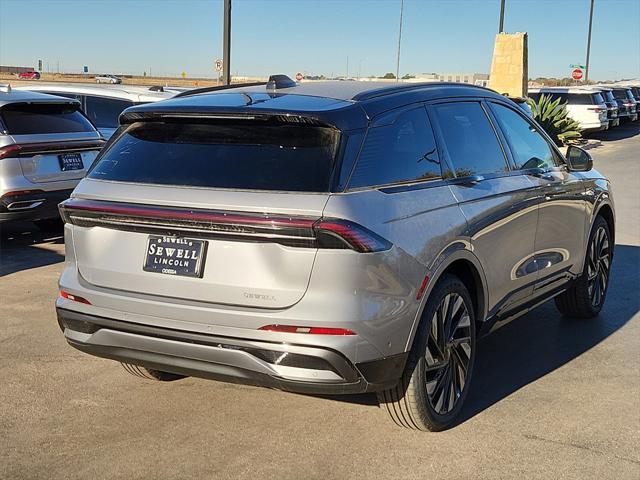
586, 106
108, 79
102, 104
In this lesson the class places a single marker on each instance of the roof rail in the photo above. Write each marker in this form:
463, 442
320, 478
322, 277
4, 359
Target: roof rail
398, 88
196, 91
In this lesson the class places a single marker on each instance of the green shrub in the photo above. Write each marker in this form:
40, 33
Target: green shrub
553, 117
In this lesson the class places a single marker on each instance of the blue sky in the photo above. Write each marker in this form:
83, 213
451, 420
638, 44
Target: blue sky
167, 37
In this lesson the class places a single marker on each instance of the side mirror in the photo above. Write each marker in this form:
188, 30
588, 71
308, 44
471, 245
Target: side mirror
578, 160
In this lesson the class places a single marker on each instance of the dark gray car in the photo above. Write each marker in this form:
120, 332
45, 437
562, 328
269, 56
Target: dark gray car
329, 237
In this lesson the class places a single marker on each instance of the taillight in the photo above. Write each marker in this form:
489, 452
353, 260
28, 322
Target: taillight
275, 228
74, 298
309, 330
597, 109
356, 237
9, 151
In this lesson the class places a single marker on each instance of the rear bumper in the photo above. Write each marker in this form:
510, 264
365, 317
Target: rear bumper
628, 117
35, 205
285, 366
595, 126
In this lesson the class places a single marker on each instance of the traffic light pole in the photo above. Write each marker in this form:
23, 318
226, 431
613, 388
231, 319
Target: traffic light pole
226, 44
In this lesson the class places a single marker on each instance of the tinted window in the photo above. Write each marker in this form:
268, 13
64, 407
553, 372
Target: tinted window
242, 155
580, 99
26, 119
104, 112
471, 143
564, 97
529, 148
598, 99
620, 94
400, 152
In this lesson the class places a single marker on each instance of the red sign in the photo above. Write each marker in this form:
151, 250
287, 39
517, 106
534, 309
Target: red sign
576, 74
298, 76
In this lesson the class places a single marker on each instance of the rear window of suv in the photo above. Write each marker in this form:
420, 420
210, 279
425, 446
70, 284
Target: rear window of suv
38, 118
572, 98
243, 155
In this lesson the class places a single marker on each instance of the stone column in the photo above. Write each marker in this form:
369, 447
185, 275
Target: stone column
510, 64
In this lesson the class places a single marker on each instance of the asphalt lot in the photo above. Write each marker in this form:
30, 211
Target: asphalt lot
551, 398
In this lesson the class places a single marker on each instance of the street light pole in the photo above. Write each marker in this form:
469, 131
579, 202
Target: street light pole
586, 73
501, 28
226, 44
399, 42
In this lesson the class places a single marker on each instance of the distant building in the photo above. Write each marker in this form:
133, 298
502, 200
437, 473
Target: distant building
481, 79
422, 77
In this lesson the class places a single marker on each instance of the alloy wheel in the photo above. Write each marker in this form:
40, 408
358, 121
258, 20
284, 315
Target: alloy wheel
448, 353
598, 265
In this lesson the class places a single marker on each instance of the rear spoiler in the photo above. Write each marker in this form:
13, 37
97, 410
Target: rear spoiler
127, 118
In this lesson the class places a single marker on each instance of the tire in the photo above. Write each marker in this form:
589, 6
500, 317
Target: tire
585, 298
151, 374
418, 400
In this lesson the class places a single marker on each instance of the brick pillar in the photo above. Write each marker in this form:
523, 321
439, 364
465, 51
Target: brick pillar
510, 64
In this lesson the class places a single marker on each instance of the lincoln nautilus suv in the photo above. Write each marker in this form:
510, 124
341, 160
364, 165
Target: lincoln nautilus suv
329, 238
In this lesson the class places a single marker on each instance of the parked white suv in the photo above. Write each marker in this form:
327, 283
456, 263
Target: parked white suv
585, 106
102, 104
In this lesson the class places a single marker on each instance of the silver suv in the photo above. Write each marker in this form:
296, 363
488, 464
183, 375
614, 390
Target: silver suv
46, 147
336, 237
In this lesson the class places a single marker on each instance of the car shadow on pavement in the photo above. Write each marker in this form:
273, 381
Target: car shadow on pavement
542, 341
593, 141
627, 130
24, 246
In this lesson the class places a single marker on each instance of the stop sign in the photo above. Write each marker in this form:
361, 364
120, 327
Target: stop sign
298, 76
576, 74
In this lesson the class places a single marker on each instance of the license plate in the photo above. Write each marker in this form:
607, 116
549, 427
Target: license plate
70, 161
175, 256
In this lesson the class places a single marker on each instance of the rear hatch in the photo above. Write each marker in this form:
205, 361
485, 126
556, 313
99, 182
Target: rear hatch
54, 141
205, 210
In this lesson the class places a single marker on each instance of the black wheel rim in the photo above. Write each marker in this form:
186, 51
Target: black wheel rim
598, 266
448, 353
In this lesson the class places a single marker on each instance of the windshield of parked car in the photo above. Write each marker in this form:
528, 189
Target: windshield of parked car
241, 155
